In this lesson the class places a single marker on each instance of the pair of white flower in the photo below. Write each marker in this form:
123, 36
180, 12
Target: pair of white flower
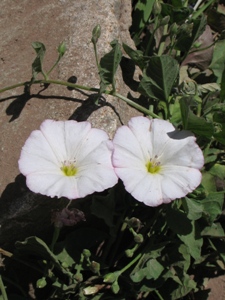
70, 159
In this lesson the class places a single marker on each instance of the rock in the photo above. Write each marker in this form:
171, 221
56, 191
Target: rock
51, 23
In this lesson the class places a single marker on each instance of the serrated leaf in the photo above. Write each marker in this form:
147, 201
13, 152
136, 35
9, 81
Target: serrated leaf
159, 77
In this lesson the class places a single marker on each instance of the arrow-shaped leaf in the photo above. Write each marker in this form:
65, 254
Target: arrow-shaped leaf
159, 77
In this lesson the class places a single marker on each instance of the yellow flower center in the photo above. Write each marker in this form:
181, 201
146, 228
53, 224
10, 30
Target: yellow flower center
153, 166
69, 169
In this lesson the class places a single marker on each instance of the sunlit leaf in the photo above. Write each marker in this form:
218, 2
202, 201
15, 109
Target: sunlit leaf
159, 78
216, 230
37, 64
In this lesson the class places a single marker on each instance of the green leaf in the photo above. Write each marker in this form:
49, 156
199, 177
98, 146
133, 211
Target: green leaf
218, 170
212, 205
191, 122
222, 93
141, 14
35, 246
178, 221
215, 230
108, 66
104, 207
189, 33
37, 64
218, 61
208, 182
159, 77
136, 56
152, 270
63, 256
193, 241
193, 207
187, 286
219, 119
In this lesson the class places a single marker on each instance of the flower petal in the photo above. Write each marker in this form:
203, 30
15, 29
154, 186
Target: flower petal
65, 137
67, 143
37, 155
95, 172
53, 185
179, 181
175, 156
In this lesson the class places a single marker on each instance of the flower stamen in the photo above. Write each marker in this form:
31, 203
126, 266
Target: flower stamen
69, 168
153, 166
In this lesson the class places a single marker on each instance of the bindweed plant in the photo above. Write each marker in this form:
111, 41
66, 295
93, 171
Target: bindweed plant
152, 225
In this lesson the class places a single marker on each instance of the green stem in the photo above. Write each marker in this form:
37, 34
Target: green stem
131, 263
53, 67
66, 83
13, 86
202, 49
137, 106
158, 294
2, 288
85, 88
96, 57
197, 13
152, 35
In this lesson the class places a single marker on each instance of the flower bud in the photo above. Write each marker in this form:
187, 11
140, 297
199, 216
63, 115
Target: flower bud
111, 277
165, 21
96, 32
157, 8
78, 277
86, 253
41, 283
134, 223
95, 267
138, 238
129, 252
62, 49
174, 29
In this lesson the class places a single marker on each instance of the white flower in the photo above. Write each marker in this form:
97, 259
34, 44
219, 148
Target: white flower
156, 163
67, 159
